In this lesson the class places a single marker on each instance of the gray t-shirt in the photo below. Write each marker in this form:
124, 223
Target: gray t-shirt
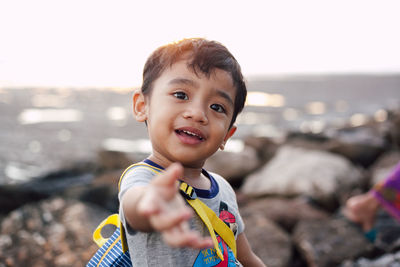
148, 249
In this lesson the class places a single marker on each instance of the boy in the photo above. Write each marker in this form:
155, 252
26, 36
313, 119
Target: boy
191, 94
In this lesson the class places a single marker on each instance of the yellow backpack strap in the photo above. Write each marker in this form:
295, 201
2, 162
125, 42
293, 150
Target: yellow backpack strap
210, 219
141, 165
207, 215
97, 237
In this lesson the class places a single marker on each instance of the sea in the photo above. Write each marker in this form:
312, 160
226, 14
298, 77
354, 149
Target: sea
43, 130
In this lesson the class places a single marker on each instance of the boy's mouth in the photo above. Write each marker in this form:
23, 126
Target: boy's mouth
190, 134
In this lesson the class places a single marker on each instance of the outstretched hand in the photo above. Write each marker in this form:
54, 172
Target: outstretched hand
167, 212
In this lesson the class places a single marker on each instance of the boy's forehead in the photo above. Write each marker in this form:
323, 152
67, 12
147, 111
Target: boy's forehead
184, 65
182, 71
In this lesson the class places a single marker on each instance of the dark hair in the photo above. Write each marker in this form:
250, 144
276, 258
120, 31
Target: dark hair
205, 56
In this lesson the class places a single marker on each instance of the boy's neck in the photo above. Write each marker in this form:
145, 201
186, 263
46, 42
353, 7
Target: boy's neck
195, 178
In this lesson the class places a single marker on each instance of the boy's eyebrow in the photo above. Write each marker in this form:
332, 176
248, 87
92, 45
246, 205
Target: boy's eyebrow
182, 81
224, 95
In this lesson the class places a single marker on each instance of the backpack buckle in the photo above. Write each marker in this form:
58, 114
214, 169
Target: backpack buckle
187, 191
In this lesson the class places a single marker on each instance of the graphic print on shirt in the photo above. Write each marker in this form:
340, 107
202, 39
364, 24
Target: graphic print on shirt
208, 256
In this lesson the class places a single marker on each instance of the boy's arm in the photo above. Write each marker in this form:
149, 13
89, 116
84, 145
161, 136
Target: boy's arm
159, 207
245, 254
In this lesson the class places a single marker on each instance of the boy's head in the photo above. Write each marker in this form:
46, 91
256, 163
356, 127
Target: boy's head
203, 56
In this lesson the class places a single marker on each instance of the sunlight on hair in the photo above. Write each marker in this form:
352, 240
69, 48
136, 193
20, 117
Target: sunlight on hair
261, 99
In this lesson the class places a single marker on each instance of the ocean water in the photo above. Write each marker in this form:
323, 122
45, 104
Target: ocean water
316, 102
45, 129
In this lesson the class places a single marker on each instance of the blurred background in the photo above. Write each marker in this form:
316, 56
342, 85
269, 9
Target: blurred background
68, 69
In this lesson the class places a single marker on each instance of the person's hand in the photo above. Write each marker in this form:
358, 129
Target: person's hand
165, 208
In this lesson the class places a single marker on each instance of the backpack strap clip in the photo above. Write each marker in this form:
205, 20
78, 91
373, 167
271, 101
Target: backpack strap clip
187, 191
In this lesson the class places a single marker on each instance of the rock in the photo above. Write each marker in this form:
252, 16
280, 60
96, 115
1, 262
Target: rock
53, 232
387, 232
13, 196
284, 212
358, 153
113, 160
265, 147
329, 242
268, 241
296, 171
388, 260
392, 128
79, 182
368, 135
234, 167
102, 191
345, 142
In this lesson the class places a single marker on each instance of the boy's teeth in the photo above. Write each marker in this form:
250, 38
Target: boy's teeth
192, 134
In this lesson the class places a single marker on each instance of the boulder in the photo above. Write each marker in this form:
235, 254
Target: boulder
329, 242
359, 145
296, 171
53, 232
392, 128
268, 241
389, 259
82, 184
102, 191
387, 232
114, 160
283, 211
13, 196
265, 147
362, 144
234, 167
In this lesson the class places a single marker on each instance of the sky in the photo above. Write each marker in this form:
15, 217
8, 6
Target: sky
100, 43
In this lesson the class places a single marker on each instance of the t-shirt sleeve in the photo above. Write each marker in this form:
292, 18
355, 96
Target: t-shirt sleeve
133, 177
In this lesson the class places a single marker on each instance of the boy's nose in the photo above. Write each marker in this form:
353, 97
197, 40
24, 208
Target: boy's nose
196, 113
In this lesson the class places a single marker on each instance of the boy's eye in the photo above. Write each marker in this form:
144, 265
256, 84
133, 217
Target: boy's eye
218, 108
181, 95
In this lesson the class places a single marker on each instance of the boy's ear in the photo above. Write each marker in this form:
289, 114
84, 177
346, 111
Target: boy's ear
229, 134
139, 106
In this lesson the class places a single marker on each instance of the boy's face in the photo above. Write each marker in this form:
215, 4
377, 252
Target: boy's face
188, 116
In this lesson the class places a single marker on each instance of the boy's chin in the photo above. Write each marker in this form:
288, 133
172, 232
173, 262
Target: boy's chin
187, 162
192, 165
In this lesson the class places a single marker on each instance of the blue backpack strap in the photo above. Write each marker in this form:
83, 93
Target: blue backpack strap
111, 251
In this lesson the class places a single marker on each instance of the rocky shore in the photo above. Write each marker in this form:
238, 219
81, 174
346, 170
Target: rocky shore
55, 190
